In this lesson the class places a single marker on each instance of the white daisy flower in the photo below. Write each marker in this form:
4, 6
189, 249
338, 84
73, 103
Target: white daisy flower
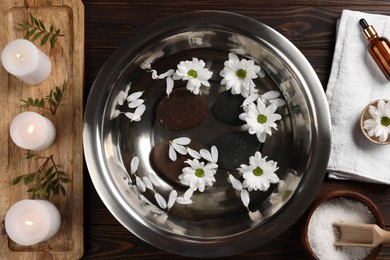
178, 145
379, 124
260, 119
195, 73
198, 175
238, 75
259, 174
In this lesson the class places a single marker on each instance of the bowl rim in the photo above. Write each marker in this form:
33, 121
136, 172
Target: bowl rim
353, 195
236, 243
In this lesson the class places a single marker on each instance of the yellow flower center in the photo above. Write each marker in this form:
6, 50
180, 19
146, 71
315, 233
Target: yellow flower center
261, 119
258, 171
192, 73
199, 173
385, 121
241, 73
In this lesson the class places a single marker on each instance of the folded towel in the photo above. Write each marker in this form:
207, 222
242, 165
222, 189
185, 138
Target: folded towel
355, 81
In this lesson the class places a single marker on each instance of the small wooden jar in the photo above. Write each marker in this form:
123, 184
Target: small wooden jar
366, 115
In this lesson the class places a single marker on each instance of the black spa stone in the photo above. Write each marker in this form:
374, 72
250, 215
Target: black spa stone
235, 149
227, 108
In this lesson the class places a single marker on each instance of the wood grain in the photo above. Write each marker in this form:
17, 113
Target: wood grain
67, 59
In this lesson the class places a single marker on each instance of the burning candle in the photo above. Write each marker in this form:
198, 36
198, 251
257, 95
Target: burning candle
31, 131
25, 61
29, 222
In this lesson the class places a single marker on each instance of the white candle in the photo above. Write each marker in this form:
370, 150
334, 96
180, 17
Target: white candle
29, 222
25, 61
31, 131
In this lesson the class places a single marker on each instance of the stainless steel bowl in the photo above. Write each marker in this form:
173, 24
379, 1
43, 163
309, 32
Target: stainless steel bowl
217, 224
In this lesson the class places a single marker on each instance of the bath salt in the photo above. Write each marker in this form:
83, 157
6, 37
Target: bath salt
322, 234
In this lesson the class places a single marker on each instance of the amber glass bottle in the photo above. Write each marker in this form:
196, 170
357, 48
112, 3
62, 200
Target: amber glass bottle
379, 47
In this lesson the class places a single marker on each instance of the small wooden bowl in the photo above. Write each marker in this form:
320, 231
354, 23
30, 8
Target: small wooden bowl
366, 115
340, 194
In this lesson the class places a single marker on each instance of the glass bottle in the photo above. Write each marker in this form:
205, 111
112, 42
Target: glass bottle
379, 47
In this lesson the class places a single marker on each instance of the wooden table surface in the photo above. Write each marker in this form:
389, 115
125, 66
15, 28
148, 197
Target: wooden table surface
308, 24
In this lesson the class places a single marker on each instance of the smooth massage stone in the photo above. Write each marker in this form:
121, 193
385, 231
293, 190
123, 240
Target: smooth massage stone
181, 110
227, 108
164, 165
235, 149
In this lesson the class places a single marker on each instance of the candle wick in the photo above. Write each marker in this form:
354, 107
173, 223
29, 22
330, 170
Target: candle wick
18, 55
30, 129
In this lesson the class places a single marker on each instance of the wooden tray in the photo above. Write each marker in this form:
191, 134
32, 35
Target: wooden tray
67, 59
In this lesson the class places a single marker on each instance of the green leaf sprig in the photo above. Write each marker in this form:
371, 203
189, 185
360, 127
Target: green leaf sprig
51, 102
37, 29
47, 180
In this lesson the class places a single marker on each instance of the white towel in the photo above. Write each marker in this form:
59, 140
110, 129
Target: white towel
355, 81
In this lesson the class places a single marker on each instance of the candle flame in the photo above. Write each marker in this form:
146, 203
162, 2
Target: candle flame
18, 55
28, 223
30, 129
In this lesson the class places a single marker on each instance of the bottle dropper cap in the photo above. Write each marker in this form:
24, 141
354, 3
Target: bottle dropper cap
368, 30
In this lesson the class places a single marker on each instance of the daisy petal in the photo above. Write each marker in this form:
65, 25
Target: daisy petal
188, 194
172, 198
160, 200
135, 103
194, 154
244, 194
235, 183
147, 182
179, 148
214, 154
172, 153
170, 84
182, 140
271, 94
134, 164
206, 155
140, 184
183, 201
116, 113
153, 178
250, 99
134, 96
139, 112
